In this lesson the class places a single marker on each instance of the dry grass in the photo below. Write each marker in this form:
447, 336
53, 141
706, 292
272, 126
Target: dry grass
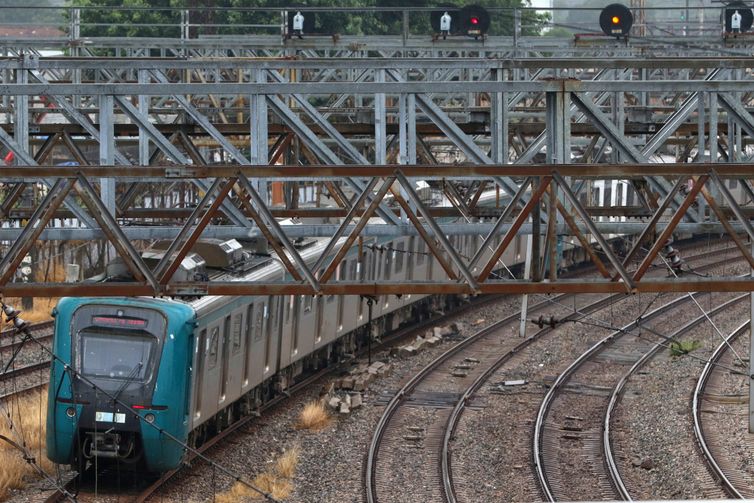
29, 423
42, 305
41, 312
276, 481
314, 416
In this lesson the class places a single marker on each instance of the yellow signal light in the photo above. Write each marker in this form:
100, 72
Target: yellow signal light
616, 20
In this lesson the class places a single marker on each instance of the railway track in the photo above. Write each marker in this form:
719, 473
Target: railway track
397, 421
582, 392
481, 352
734, 481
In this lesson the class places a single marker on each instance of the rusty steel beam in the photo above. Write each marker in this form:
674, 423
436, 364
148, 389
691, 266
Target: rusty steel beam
426, 171
371, 209
668, 230
681, 285
431, 245
180, 247
42, 215
517, 223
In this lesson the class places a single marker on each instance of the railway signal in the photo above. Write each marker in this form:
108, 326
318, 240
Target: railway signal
737, 17
616, 20
475, 21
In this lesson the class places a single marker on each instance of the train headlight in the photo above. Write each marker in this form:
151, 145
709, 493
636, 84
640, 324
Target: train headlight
149, 418
70, 412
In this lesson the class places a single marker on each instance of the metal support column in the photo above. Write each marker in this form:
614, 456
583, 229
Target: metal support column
107, 149
143, 108
380, 119
499, 123
258, 122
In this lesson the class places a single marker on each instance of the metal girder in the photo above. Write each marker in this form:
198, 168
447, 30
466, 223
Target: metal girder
24, 157
320, 149
203, 122
604, 245
32, 173
667, 232
278, 235
739, 113
42, 215
179, 248
429, 221
114, 233
373, 205
76, 117
323, 123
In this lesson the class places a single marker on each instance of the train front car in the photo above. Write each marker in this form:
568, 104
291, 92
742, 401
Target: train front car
122, 351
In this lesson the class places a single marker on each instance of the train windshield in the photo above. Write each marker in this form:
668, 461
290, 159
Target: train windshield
116, 356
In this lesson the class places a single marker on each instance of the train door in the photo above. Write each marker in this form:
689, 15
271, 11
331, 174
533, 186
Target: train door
286, 334
295, 333
200, 358
234, 362
248, 331
341, 299
271, 337
225, 361
256, 350
212, 373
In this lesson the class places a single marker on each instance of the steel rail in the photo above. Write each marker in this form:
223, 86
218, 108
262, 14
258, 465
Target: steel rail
618, 392
566, 375
701, 438
392, 406
452, 423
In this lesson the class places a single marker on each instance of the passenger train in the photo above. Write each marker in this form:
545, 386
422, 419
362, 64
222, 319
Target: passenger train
192, 367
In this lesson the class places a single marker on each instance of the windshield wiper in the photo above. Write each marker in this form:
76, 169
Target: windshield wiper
129, 379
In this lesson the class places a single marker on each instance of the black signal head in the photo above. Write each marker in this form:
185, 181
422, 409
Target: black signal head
616, 20
475, 20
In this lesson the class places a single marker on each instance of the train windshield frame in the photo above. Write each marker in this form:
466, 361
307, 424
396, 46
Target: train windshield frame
109, 342
113, 354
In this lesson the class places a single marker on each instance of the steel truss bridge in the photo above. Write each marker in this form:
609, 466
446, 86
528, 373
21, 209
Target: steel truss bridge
232, 142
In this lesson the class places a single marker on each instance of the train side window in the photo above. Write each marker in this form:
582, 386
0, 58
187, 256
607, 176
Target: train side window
236, 331
308, 300
214, 340
388, 264
399, 248
420, 250
733, 183
355, 270
258, 324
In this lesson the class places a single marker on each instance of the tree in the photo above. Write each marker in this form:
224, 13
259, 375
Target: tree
151, 18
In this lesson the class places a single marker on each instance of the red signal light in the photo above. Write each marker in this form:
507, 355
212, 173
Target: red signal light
474, 20
616, 20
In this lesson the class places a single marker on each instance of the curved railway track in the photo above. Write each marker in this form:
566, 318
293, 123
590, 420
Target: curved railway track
448, 407
733, 481
603, 359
